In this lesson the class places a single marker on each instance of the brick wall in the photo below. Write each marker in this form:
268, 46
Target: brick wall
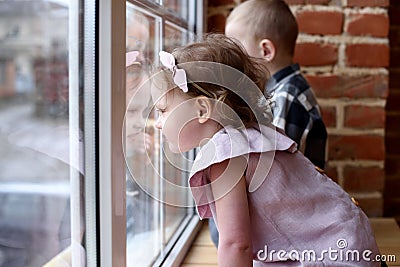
343, 48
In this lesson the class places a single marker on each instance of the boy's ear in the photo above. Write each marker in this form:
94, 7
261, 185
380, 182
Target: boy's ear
267, 49
203, 108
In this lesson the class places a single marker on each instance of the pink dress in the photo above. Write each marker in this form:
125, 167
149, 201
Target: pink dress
299, 217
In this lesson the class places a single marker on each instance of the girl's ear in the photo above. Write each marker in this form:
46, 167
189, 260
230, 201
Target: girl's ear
203, 108
267, 49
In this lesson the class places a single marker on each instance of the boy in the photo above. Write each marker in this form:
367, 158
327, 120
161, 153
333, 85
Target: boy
268, 30
270, 33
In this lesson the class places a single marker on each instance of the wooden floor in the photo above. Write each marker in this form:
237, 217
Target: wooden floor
387, 233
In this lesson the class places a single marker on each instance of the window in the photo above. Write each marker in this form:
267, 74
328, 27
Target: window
69, 109
41, 135
157, 209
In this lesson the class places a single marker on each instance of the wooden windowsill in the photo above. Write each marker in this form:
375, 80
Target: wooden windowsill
387, 234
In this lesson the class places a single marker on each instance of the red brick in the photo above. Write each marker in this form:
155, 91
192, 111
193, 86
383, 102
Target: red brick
363, 179
395, 57
368, 3
220, 2
329, 116
216, 23
364, 117
367, 55
316, 54
332, 86
325, 86
320, 22
368, 24
295, 2
356, 147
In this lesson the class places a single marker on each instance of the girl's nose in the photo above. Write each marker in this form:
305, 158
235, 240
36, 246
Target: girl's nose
158, 123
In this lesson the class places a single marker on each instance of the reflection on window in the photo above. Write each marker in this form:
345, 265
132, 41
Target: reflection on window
174, 164
179, 7
143, 224
174, 36
155, 209
35, 177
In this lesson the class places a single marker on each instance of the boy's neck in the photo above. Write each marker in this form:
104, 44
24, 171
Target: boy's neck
279, 63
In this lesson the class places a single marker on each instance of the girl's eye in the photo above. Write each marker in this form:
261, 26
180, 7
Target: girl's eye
160, 111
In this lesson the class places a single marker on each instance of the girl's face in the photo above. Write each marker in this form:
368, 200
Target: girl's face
137, 99
178, 119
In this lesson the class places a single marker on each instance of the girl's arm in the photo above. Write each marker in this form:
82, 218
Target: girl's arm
233, 220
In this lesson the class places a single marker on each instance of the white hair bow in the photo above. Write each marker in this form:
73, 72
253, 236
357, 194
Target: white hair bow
178, 75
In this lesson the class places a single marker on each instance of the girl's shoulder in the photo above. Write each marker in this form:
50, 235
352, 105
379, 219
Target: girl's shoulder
232, 142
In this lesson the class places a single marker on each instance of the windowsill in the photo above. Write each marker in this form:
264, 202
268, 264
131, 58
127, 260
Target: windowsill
387, 233
202, 251
184, 243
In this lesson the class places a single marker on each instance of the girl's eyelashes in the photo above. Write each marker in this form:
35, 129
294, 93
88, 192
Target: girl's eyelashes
160, 110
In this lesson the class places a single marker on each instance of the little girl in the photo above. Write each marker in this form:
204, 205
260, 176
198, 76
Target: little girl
272, 207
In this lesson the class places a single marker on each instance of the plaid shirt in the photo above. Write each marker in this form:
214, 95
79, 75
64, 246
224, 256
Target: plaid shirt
295, 110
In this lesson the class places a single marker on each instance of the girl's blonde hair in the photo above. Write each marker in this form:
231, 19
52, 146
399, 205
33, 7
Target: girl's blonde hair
220, 49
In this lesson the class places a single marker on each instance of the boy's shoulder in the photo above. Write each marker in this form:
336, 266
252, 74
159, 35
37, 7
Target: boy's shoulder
288, 79
295, 86
289, 88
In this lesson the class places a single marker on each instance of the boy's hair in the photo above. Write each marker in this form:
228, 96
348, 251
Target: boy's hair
268, 19
218, 48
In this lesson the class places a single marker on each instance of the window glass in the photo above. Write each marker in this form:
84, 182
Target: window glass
175, 165
176, 197
179, 7
35, 133
157, 207
174, 36
142, 209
